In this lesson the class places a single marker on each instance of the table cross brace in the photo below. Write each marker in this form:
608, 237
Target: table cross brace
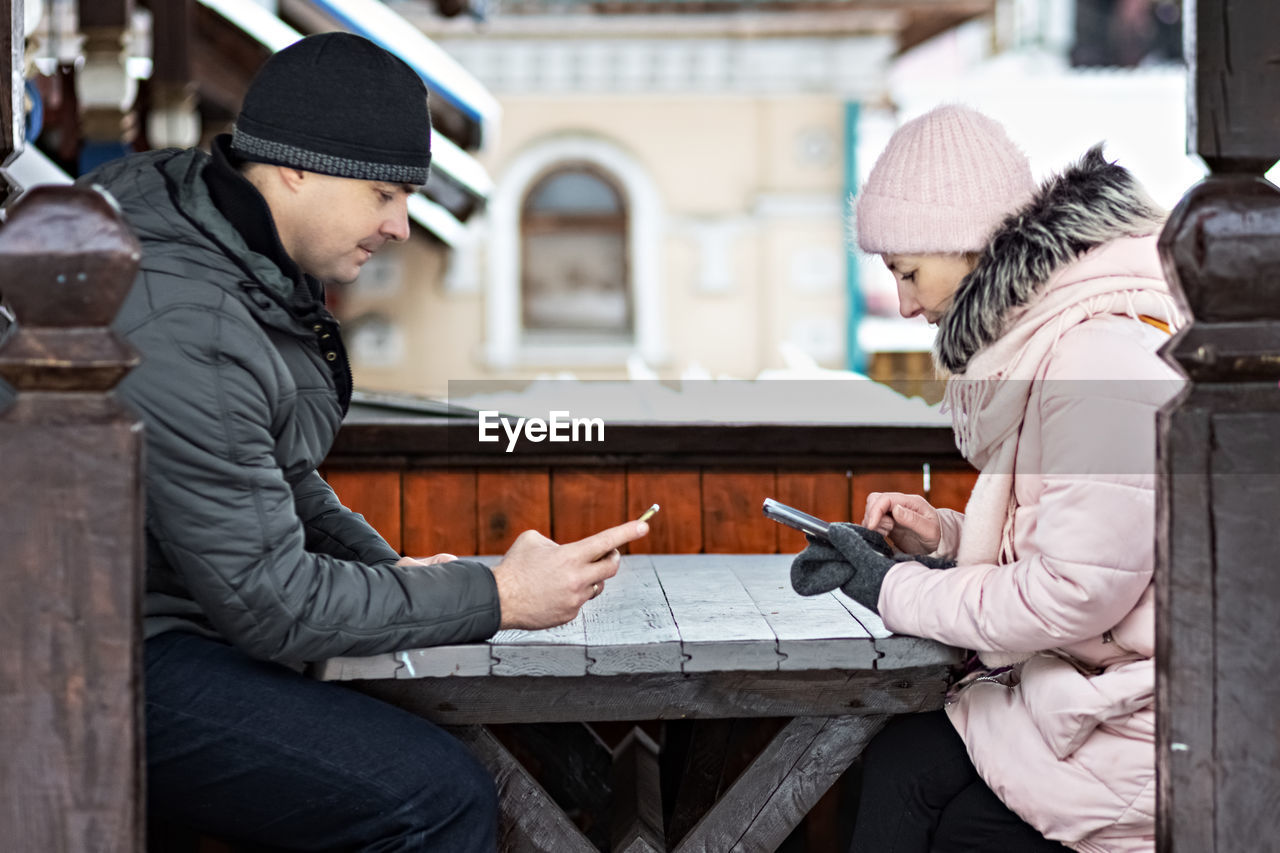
755, 815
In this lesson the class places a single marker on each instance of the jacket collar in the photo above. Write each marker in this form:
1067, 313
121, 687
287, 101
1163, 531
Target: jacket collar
1090, 203
244, 207
168, 203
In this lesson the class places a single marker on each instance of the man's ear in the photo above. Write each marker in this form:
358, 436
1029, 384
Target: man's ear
291, 178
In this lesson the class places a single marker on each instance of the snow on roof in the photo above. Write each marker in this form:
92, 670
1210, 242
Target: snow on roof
442, 73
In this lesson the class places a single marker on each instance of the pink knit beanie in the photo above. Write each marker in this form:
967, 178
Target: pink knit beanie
943, 184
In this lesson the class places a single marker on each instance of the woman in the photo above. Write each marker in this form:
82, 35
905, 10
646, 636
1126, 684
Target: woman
1044, 298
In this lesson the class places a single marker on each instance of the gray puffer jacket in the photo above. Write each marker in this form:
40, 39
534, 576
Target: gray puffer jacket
244, 539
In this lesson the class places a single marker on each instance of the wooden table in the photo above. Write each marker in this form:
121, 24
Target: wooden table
704, 637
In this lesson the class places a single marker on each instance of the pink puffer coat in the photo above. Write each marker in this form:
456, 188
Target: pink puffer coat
1066, 738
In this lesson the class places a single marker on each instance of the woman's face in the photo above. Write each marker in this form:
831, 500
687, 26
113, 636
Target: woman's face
926, 283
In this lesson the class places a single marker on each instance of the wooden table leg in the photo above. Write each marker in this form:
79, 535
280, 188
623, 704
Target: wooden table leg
697, 757
573, 765
528, 818
775, 792
637, 808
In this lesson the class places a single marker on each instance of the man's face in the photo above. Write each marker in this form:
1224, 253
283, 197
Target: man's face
331, 226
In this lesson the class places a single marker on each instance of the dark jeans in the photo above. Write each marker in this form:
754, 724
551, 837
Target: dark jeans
253, 752
921, 794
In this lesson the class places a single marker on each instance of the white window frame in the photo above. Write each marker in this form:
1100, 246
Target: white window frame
505, 345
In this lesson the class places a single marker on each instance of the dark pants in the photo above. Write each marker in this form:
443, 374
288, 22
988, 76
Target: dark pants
921, 794
253, 752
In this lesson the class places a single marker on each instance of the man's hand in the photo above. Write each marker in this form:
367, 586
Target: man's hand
542, 584
908, 520
426, 561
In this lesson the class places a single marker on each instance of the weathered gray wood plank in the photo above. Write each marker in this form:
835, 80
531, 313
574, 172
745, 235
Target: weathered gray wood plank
1245, 595
664, 696
552, 651
812, 631
632, 629
730, 612
721, 629
775, 792
348, 669
1186, 634
898, 650
528, 819
472, 659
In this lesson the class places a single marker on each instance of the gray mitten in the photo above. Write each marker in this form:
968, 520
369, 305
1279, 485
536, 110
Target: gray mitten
855, 559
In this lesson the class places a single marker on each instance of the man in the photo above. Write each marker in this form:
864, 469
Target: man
253, 566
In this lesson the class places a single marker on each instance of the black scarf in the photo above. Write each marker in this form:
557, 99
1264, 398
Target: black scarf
244, 207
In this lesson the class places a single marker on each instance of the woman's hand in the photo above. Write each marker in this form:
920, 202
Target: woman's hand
909, 520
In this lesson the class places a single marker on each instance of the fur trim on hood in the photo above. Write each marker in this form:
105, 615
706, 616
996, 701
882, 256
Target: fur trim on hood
1092, 202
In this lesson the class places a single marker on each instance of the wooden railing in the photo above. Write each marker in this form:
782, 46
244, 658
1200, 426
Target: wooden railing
427, 485
1218, 592
71, 535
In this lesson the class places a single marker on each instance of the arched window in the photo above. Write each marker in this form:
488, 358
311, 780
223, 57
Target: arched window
635, 219
574, 267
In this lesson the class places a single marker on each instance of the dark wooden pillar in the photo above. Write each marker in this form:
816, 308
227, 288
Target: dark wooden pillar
172, 119
105, 25
12, 125
1218, 583
70, 534
172, 25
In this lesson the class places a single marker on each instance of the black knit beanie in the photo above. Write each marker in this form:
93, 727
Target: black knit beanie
338, 104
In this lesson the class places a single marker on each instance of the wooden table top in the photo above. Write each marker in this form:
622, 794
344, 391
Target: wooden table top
677, 614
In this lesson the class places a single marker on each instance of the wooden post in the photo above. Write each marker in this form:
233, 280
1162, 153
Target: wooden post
1218, 678
12, 123
71, 534
173, 120
107, 104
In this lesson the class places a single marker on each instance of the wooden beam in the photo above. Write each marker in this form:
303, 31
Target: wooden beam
925, 24
224, 60
1233, 122
12, 124
637, 796
528, 819
573, 766
435, 441
773, 795
549, 698
106, 14
696, 786
172, 28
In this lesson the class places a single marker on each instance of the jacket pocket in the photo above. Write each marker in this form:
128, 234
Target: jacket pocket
1067, 705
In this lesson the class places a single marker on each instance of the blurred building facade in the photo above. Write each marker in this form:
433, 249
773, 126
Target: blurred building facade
671, 180
669, 191
637, 188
